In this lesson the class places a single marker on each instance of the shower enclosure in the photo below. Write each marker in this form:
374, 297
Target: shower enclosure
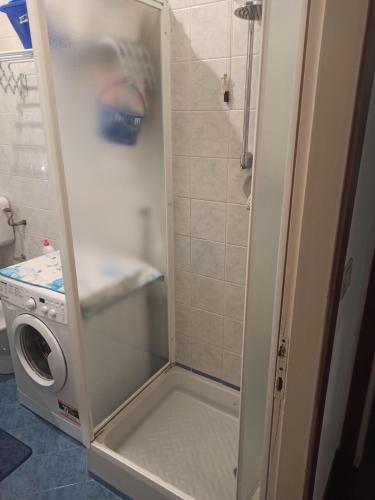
156, 429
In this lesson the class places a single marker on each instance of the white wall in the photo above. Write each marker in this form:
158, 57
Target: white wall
23, 162
361, 247
211, 220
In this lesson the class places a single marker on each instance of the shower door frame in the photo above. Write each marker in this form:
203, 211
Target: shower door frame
42, 57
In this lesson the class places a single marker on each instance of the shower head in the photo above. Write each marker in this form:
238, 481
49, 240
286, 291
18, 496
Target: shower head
251, 11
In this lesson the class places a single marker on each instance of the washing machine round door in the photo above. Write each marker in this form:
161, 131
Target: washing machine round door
39, 352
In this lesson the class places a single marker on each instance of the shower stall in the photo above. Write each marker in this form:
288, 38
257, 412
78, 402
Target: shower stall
154, 429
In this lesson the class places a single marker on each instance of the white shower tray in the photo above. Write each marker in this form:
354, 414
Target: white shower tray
177, 439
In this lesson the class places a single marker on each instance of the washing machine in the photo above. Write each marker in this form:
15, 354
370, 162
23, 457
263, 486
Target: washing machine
40, 344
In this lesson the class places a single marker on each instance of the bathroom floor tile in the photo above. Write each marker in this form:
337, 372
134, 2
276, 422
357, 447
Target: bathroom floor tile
46, 471
8, 390
57, 468
43, 437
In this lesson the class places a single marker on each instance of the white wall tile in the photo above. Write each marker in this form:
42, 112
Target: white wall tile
206, 85
6, 159
22, 191
239, 37
183, 350
181, 85
46, 226
182, 252
207, 294
181, 175
182, 318
238, 80
8, 133
235, 264
234, 301
181, 133
10, 43
208, 220
26, 183
207, 257
237, 224
42, 192
210, 31
180, 35
211, 220
6, 29
209, 178
179, 4
239, 182
206, 326
183, 286
232, 368
5, 186
22, 163
206, 358
39, 164
209, 133
233, 335
182, 215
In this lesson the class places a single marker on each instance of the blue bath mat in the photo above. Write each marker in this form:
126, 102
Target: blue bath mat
13, 453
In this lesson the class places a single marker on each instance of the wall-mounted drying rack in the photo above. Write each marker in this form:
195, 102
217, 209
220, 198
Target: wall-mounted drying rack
10, 80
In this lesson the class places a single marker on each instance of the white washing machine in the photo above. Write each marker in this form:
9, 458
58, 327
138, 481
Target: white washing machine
39, 340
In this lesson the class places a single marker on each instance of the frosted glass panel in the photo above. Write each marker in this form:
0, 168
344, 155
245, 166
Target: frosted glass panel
106, 59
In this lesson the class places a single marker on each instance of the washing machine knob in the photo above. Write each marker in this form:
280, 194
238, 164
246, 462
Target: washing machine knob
44, 309
52, 313
30, 304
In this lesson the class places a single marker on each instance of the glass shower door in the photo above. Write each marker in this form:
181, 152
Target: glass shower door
106, 61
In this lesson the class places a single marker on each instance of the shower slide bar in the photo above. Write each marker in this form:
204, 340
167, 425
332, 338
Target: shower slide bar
9, 79
251, 12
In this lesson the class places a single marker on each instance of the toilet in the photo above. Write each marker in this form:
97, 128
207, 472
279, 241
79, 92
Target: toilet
6, 238
5, 359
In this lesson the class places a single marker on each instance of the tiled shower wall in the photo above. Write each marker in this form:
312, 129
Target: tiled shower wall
23, 163
211, 190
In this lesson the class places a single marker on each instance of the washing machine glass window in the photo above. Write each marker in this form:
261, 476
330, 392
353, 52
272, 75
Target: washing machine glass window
39, 352
36, 350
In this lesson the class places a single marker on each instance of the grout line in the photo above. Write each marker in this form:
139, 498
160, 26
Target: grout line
222, 280
210, 157
200, 238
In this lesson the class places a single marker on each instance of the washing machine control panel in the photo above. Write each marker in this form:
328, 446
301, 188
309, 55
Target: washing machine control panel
49, 305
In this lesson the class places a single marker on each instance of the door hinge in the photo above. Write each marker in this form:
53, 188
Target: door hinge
281, 367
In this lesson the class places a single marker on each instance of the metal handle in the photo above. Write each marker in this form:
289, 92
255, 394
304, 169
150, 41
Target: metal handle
23, 19
11, 222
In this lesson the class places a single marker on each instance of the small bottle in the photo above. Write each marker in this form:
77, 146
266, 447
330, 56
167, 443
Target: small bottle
47, 247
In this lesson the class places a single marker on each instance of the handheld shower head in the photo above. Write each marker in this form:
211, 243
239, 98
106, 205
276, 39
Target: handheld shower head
251, 11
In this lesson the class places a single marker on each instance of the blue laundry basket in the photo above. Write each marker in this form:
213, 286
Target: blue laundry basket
16, 10
121, 123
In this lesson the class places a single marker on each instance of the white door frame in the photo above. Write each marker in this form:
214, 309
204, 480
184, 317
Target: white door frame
333, 56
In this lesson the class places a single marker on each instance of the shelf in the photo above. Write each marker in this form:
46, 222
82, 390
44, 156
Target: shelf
23, 55
11, 80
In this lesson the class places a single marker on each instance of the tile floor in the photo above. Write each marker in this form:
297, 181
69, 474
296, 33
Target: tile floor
57, 468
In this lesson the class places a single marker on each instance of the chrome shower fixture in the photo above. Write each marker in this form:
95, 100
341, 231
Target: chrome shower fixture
251, 12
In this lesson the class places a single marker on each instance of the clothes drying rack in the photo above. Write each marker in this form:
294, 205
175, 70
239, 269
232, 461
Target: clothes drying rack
11, 80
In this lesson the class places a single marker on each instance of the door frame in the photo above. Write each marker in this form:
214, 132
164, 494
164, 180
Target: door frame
358, 130
360, 401
324, 183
